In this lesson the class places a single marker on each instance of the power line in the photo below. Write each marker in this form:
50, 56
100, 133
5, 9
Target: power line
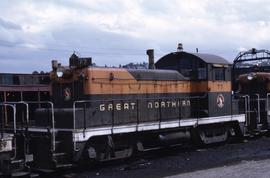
138, 52
109, 53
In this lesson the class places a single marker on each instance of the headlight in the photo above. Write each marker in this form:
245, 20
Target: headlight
59, 74
250, 76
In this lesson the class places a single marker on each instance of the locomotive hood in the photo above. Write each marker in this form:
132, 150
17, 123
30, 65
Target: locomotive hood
258, 76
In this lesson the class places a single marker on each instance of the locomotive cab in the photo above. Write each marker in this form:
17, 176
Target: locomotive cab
210, 78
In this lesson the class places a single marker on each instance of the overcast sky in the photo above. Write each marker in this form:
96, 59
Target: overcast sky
113, 32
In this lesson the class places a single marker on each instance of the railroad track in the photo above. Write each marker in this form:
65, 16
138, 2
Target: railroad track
177, 160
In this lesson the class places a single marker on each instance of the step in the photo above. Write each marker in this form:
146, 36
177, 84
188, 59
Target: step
59, 154
44, 171
58, 141
17, 165
61, 158
16, 161
68, 165
34, 175
20, 174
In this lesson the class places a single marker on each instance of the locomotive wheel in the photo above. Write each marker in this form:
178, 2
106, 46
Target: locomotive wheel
235, 134
103, 149
209, 135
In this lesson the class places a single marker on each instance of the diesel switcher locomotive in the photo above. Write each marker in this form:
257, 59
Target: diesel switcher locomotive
100, 114
94, 114
251, 79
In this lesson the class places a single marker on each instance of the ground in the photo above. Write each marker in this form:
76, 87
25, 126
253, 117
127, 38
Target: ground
246, 159
245, 169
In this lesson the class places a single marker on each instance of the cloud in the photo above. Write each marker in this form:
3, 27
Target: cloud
119, 31
9, 25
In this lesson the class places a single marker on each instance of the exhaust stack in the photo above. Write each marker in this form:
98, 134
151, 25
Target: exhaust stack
151, 61
180, 47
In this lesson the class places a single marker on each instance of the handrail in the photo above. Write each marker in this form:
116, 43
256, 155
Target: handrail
246, 97
26, 106
267, 107
249, 109
74, 110
259, 108
14, 114
53, 123
112, 100
74, 121
267, 102
14, 127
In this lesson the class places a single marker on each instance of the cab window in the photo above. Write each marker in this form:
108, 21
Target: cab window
219, 73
